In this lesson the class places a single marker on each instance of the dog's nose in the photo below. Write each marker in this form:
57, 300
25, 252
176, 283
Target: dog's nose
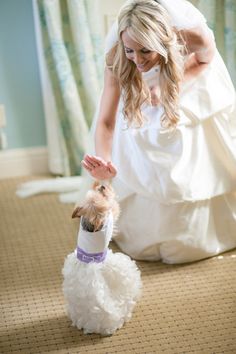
101, 189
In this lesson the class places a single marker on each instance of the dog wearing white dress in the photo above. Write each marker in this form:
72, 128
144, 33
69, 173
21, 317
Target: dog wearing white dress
100, 287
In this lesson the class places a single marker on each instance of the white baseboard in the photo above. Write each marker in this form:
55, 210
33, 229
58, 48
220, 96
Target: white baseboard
23, 162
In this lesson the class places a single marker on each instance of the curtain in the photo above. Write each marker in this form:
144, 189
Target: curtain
70, 36
221, 18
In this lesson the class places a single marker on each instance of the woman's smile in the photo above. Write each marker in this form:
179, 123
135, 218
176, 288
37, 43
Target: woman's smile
141, 66
143, 58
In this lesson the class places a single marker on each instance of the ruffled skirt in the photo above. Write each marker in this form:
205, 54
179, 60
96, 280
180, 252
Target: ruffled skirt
100, 297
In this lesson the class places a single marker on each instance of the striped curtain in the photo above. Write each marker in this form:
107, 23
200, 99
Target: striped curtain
72, 41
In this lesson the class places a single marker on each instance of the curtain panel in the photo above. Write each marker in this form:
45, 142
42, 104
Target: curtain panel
71, 37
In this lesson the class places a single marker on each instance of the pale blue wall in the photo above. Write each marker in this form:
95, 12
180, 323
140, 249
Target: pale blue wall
19, 76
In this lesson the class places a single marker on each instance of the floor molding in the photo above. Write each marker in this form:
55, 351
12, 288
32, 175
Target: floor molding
23, 162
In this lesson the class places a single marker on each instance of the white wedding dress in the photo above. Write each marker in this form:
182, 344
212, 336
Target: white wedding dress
178, 190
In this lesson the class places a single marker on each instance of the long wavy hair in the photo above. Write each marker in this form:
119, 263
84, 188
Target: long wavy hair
148, 23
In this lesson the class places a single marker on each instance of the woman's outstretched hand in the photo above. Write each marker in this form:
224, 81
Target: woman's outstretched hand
98, 168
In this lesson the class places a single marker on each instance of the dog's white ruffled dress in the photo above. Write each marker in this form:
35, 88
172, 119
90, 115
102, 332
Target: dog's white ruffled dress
100, 287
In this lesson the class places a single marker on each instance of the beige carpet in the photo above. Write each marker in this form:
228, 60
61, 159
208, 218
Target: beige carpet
184, 308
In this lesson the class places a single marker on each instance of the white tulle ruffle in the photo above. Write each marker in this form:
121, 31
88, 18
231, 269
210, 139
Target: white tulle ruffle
100, 297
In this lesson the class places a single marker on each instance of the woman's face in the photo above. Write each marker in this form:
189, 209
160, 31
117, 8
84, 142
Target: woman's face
142, 57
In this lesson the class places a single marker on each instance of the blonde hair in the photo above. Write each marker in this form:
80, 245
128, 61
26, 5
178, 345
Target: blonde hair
148, 23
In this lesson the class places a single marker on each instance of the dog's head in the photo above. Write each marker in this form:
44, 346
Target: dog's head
99, 202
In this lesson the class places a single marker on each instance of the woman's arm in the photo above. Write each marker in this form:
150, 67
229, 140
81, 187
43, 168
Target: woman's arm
200, 46
100, 166
107, 115
199, 41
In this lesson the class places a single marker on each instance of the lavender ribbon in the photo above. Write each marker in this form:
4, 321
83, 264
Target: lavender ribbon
90, 257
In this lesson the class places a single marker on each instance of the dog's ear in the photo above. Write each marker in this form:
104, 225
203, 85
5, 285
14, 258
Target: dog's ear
77, 213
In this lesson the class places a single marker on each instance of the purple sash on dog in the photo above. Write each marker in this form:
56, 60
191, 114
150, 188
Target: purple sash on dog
92, 246
90, 257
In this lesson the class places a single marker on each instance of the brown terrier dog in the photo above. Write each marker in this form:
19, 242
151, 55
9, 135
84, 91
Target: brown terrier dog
99, 202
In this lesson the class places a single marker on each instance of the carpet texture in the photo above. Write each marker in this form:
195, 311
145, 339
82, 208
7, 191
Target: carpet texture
187, 308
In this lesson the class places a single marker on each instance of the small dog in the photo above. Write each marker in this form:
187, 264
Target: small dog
99, 202
100, 287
